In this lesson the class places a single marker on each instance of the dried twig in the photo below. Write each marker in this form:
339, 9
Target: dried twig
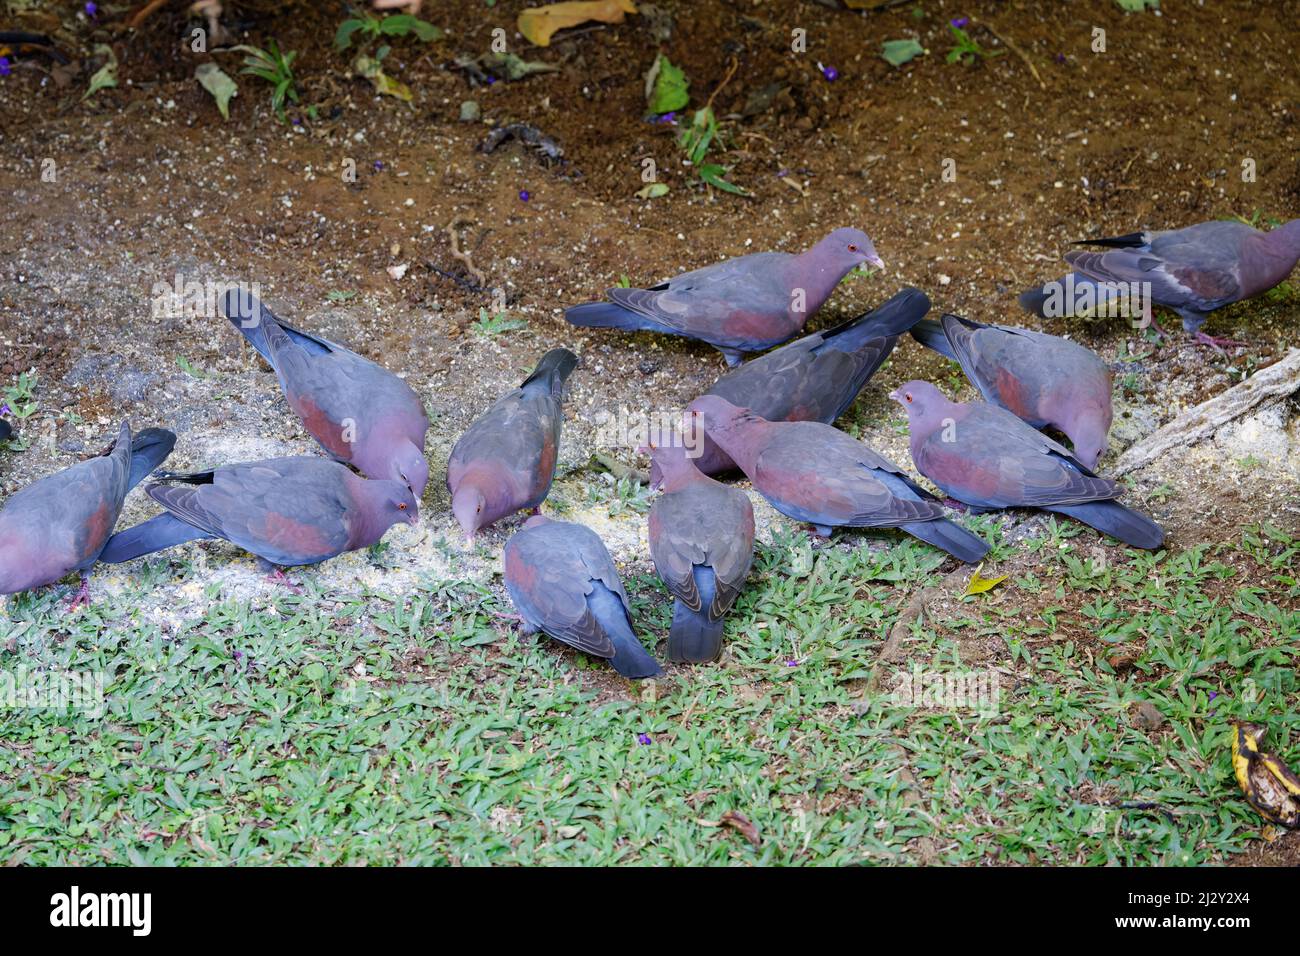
1014, 49
458, 254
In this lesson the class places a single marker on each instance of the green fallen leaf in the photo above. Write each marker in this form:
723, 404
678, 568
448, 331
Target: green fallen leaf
106, 75
898, 52
666, 86
713, 174
510, 67
189, 369
979, 585
653, 191
213, 79
370, 68
1137, 6
400, 24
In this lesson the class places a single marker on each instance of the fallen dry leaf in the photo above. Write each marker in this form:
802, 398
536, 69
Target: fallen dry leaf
738, 821
539, 24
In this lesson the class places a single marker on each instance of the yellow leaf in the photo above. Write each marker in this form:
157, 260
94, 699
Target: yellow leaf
979, 585
540, 23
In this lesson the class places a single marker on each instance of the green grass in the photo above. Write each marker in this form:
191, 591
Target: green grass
367, 728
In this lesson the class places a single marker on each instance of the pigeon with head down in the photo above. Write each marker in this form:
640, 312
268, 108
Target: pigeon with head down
61, 523
1192, 271
818, 474
1043, 379
505, 461
988, 458
815, 378
747, 304
702, 543
563, 581
360, 413
287, 511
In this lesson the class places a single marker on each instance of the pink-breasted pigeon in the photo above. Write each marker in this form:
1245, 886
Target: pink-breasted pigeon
505, 461
815, 378
702, 543
1044, 379
818, 474
1192, 271
563, 582
287, 511
61, 523
746, 304
359, 412
988, 458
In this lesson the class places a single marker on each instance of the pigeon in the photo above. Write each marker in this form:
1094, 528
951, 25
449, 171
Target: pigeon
815, 473
505, 461
61, 523
815, 378
747, 304
1044, 379
702, 543
360, 413
287, 511
6, 430
1192, 271
988, 458
563, 581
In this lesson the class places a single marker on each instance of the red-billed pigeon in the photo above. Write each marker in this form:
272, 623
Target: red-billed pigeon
816, 473
563, 581
702, 543
359, 412
987, 457
1044, 379
505, 461
1192, 271
747, 304
815, 378
287, 511
60, 523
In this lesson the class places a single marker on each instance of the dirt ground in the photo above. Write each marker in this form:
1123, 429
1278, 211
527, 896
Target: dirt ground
1052, 142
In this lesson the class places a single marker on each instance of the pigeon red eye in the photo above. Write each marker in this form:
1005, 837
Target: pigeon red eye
908, 396
401, 506
853, 248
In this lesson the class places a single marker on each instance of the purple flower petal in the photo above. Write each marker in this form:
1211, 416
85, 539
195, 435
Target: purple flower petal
525, 195
960, 22
644, 739
830, 73
5, 69
91, 10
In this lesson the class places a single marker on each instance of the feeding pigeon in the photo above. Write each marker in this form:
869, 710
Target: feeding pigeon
746, 304
359, 412
988, 458
1044, 379
60, 523
816, 473
287, 511
1192, 271
815, 378
505, 461
563, 581
702, 543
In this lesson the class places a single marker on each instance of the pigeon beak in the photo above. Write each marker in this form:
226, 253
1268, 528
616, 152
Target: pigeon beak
876, 261
896, 397
413, 519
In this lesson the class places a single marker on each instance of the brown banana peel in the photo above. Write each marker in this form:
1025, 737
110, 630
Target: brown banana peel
1270, 786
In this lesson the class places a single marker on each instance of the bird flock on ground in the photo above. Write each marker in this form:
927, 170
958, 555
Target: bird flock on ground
769, 418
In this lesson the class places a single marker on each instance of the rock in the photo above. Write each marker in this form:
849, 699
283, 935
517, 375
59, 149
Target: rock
470, 112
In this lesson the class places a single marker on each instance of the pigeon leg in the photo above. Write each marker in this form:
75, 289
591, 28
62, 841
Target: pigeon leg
82, 597
1217, 344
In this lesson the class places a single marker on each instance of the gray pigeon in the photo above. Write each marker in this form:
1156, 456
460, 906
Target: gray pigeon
1192, 271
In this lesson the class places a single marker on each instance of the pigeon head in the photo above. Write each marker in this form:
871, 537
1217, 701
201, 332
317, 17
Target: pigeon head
1088, 434
849, 248
926, 407
467, 505
396, 503
730, 427
410, 467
